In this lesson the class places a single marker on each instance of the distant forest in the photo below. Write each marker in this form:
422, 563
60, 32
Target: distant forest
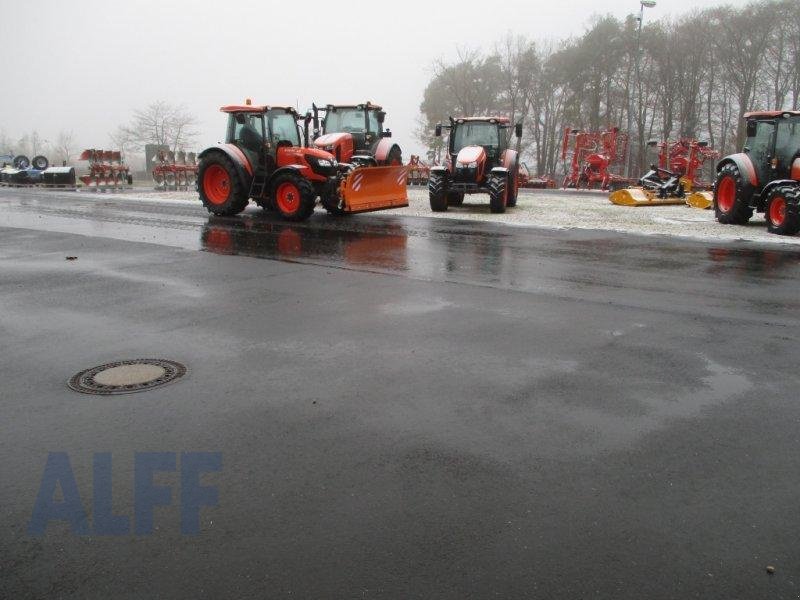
697, 75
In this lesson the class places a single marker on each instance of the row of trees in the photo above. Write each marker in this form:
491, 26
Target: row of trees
159, 123
694, 76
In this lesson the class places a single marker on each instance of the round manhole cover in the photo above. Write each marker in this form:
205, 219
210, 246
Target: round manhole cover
127, 376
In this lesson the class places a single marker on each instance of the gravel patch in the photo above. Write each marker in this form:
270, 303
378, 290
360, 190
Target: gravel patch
555, 211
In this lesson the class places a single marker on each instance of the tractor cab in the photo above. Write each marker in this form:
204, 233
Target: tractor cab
258, 131
773, 143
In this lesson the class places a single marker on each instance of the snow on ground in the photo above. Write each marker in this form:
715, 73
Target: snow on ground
556, 210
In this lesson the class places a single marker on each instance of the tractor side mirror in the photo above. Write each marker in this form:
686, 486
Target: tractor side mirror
752, 128
702, 144
518, 130
652, 143
438, 131
386, 133
381, 116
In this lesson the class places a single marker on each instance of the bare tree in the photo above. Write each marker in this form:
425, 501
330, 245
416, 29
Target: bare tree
159, 123
65, 145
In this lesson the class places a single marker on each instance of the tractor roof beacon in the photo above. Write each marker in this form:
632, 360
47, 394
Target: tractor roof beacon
479, 160
765, 176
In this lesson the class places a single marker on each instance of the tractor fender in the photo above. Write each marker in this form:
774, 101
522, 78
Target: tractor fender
500, 171
509, 160
773, 184
244, 169
301, 170
745, 166
383, 148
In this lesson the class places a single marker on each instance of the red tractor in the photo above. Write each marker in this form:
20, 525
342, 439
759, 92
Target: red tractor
355, 134
263, 158
479, 161
765, 177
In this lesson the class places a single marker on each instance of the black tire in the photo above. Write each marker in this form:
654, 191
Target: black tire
455, 198
293, 196
330, 202
395, 157
40, 162
498, 187
214, 201
780, 219
21, 162
511, 201
731, 201
437, 192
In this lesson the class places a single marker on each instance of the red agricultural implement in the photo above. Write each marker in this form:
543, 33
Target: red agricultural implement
174, 172
592, 156
527, 180
106, 169
418, 171
675, 179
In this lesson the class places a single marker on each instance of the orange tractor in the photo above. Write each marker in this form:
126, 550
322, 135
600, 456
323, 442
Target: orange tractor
479, 161
264, 158
765, 177
355, 134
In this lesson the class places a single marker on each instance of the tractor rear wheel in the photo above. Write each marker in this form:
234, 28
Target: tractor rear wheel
437, 192
455, 198
498, 193
293, 196
218, 183
780, 220
731, 207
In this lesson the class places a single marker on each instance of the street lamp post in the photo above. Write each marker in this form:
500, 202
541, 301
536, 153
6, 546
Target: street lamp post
637, 80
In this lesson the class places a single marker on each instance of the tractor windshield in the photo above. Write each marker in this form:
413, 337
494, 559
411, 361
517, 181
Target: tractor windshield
788, 141
282, 126
475, 134
350, 120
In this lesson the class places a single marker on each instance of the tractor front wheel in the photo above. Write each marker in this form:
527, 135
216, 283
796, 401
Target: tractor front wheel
780, 218
293, 196
498, 193
218, 183
437, 192
731, 207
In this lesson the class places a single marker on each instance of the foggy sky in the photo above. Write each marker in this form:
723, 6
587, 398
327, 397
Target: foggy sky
85, 66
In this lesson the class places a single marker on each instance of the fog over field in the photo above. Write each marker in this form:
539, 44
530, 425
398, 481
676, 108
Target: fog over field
86, 66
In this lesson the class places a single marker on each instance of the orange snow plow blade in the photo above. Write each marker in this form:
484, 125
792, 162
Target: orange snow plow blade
375, 188
701, 200
639, 197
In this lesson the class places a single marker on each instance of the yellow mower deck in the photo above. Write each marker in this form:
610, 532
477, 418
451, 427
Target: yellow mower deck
375, 188
641, 197
701, 200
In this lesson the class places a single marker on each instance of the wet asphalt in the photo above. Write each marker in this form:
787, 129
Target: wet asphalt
405, 408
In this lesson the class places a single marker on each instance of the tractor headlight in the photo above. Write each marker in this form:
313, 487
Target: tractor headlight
324, 162
472, 165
